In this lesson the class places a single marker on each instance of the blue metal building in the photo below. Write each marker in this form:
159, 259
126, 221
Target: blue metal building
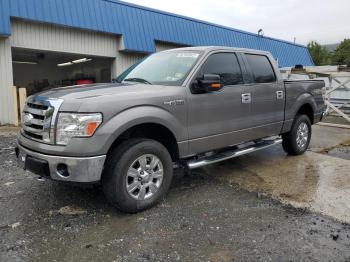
116, 30
141, 26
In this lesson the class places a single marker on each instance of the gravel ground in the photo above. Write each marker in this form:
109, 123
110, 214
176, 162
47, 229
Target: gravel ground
202, 219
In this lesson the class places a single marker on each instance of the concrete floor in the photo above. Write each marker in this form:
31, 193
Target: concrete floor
265, 206
325, 138
335, 119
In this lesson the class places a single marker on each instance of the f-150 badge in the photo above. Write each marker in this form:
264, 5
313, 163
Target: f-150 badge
174, 103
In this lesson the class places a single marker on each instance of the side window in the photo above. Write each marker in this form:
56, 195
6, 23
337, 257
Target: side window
226, 66
261, 68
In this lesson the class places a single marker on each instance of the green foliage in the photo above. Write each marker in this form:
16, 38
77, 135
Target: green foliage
319, 54
341, 55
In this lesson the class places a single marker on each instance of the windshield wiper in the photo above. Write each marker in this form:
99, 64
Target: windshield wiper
136, 79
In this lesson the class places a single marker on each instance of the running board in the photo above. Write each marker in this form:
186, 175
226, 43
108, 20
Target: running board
231, 153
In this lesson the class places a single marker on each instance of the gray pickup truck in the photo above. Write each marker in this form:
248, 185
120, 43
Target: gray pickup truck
185, 107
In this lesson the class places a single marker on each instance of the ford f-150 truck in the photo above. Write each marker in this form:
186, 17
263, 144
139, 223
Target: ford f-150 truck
185, 107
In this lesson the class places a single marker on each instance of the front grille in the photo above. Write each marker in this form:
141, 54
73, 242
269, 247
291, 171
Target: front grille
38, 118
36, 106
39, 127
32, 135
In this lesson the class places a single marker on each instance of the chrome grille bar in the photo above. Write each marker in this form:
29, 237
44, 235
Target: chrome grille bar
33, 130
38, 122
38, 118
34, 111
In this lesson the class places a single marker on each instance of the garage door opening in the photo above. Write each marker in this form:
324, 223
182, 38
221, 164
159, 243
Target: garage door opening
39, 71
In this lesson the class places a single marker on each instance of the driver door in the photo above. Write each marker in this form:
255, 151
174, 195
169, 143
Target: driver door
217, 118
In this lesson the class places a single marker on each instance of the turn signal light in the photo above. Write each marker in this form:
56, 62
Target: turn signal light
91, 128
215, 85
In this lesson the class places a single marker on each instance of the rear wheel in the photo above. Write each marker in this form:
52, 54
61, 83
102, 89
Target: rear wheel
297, 140
138, 175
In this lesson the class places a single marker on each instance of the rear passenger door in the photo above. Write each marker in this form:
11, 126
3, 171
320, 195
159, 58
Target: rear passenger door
267, 96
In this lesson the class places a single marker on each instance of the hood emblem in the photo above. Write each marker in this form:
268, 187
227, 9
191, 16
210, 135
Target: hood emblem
27, 119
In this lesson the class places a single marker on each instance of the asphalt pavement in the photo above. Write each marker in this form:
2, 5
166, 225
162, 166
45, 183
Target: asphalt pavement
266, 206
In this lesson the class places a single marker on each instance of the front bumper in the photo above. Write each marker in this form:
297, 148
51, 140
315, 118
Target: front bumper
72, 169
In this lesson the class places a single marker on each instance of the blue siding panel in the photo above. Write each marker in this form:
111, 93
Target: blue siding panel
141, 26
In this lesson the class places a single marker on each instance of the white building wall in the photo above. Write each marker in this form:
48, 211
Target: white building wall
162, 46
6, 83
125, 60
62, 39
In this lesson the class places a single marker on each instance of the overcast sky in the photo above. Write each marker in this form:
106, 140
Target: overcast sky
326, 21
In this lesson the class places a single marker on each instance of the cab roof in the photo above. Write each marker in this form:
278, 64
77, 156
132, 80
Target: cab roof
220, 48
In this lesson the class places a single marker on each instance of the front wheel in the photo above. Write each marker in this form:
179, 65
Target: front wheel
297, 140
138, 175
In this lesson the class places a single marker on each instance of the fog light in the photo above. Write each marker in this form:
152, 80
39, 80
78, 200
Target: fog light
62, 170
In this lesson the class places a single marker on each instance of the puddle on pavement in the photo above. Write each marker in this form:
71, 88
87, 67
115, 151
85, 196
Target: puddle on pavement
341, 152
314, 181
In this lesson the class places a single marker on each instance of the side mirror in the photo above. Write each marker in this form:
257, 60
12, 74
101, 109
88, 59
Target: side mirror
207, 83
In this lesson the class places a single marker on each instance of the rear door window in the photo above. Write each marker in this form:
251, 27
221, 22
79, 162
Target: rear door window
226, 66
261, 68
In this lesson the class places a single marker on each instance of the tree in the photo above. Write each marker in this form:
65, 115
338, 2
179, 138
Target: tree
341, 55
319, 54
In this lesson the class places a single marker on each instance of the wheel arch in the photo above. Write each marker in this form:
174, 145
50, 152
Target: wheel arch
146, 122
305, 104
150, 130
306, 109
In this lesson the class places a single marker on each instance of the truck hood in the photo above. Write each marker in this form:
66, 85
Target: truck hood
114, 97
93, 91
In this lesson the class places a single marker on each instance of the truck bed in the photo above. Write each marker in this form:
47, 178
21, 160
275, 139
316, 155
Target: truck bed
299, 91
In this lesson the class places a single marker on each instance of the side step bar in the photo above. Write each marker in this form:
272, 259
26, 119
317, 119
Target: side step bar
231, 153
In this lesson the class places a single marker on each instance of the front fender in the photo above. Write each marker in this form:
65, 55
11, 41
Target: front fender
143, 115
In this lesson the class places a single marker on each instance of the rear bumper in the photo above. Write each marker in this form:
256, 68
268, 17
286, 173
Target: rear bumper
71, 169
319, 117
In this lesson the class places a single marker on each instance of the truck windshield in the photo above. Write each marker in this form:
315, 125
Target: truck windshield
122, 76
165, 68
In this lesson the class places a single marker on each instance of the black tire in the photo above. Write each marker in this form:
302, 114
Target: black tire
290, 139
115, 177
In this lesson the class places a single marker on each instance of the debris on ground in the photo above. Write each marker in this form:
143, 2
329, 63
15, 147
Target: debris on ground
71, 210
335, 237
15, 225
341, 150
7, 148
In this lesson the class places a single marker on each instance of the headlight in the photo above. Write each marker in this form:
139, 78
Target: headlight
76, 125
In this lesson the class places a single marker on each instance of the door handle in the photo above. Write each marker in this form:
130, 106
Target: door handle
246, 98
279, 95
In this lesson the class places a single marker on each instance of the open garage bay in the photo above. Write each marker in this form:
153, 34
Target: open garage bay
41, 70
